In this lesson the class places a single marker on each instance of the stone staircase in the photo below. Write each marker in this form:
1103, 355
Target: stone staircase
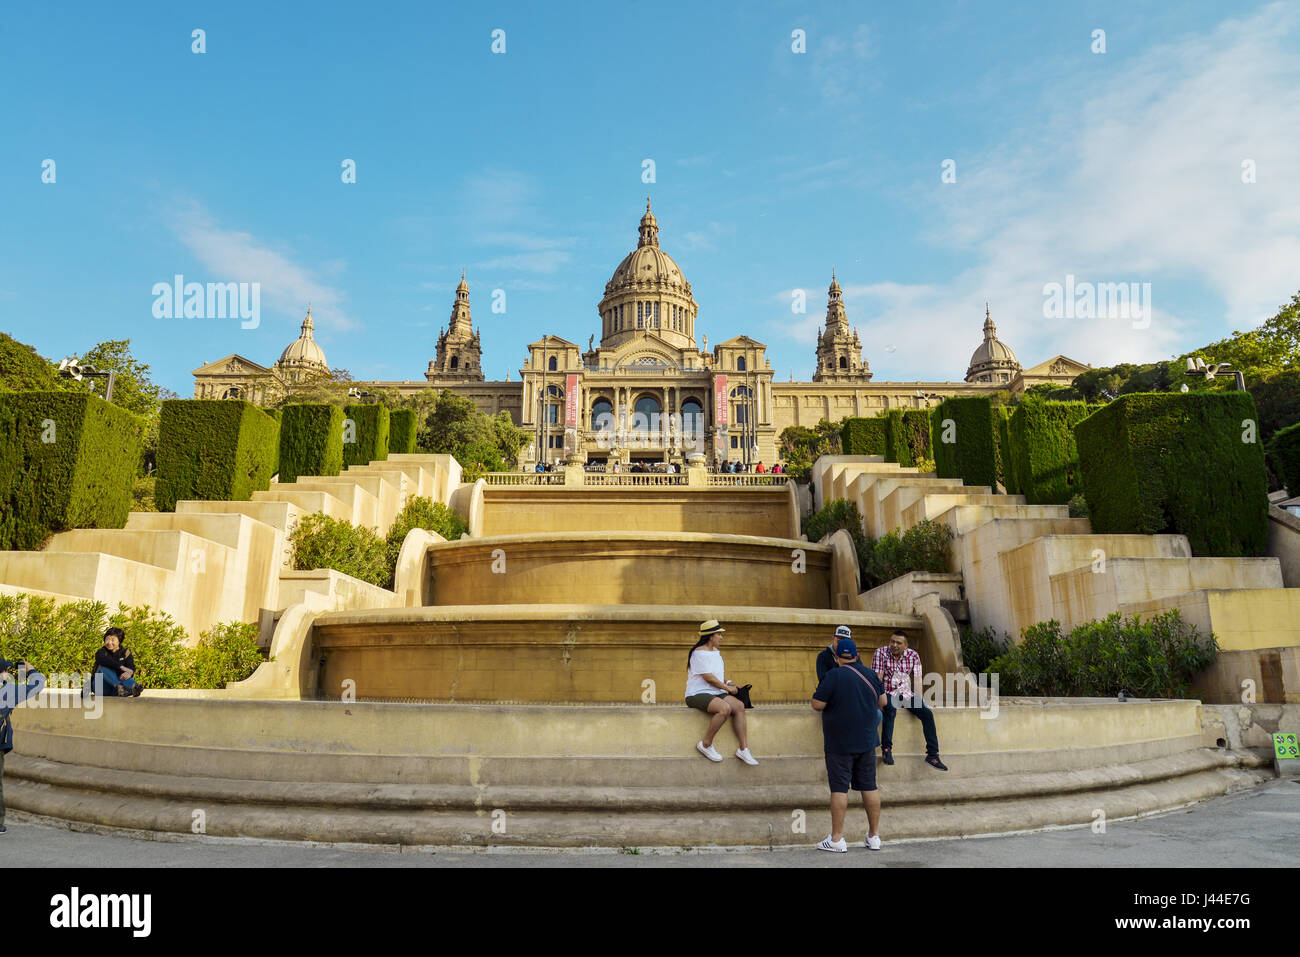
1022, 564
210, 562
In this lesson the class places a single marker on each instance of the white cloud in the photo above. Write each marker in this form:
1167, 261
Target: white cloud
231, 255
1134, 177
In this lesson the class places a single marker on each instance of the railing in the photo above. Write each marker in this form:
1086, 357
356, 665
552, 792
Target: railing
632, 478
750, 480
524, 478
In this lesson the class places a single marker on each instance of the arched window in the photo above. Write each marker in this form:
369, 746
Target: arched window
454, 361
550, 364
844, 362
602, 415
740, 364
692, 416
647, 405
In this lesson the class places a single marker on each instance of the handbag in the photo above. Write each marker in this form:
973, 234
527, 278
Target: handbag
743, 695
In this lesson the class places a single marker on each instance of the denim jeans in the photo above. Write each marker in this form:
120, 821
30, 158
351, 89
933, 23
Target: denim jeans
111, 681
918, 708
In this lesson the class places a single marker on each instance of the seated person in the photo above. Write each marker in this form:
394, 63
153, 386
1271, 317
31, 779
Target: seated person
115, 667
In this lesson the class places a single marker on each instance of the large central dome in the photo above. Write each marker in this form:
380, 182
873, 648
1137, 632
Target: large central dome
648, 294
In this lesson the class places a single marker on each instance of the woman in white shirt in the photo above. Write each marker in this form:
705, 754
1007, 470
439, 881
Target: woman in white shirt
708, 689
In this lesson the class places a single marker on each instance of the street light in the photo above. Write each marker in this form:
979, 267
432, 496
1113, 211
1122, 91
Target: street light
355, 393
1197, 368
71, 368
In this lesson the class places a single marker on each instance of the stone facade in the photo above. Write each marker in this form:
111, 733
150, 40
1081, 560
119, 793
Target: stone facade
646, 391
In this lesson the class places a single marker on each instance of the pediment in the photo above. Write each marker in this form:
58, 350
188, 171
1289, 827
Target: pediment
1058, 365
741, 342
233, 364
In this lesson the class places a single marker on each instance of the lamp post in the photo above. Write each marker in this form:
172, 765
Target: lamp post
70, 368
1198, 369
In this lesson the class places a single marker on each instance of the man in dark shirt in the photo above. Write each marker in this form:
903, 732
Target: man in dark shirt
850, 697
115, 666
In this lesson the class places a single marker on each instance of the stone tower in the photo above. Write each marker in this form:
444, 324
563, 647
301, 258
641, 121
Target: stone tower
459, 356
839, 351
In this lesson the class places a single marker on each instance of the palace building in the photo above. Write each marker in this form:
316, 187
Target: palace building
646, 391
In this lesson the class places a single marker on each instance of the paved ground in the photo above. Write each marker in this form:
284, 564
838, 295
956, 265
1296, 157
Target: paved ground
1251, 829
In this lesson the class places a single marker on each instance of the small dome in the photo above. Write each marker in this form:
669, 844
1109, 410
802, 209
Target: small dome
304, 350
993, 360
647, 263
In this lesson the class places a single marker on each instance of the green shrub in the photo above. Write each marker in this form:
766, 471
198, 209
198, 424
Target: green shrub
1002, 435
1155, 658
1078, 506
1177, 463
1044, 459
979, 648
63, 639
214, 450
226, 653
908, 437
402, 428
836, 514
311, 441
421, 513
370, 434
863, 436
964, 448
922, 548
1284, 454
319, 541
67, 460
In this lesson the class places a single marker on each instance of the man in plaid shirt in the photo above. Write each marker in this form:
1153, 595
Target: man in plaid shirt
899, 668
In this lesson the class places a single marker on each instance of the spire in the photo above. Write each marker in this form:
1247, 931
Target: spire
461, 325
307, 325
649, 228
837, 319
990, 330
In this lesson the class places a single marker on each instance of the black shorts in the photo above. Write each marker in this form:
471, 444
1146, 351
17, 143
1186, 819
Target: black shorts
851, 770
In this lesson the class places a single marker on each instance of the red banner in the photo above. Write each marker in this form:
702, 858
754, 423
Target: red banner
720, 401
570, 401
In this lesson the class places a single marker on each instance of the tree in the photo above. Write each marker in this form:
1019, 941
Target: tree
455, 426
133, 390
23, 369
317, 388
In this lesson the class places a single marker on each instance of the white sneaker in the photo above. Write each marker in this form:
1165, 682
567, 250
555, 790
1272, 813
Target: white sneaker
746, 756
872, 843
839, 847
710, 752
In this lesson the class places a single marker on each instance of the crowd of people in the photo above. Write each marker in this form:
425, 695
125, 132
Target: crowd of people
857, 704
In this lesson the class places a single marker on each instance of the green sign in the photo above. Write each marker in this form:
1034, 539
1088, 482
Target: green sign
1287, 746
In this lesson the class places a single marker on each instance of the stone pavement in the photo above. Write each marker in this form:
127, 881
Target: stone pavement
1249, 829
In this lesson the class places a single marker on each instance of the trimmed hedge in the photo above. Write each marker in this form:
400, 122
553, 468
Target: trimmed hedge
1002, 442
1178, 463
907, 436
311, 441
972, 454
214, 450
67, 460
371, 425
402, 427
863, 436
1042, 452
1284, 454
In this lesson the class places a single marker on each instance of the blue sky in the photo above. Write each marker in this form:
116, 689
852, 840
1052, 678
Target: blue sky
526, 168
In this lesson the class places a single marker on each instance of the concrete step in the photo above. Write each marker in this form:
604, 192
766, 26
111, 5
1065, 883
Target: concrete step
592, 776
177, 551
1241, 619
420, 476
877, 492
387, 494
361, 507
278, 514
102, 577
967, 518
259, 550
324, 589
1085, 594
931, 505
321, 501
